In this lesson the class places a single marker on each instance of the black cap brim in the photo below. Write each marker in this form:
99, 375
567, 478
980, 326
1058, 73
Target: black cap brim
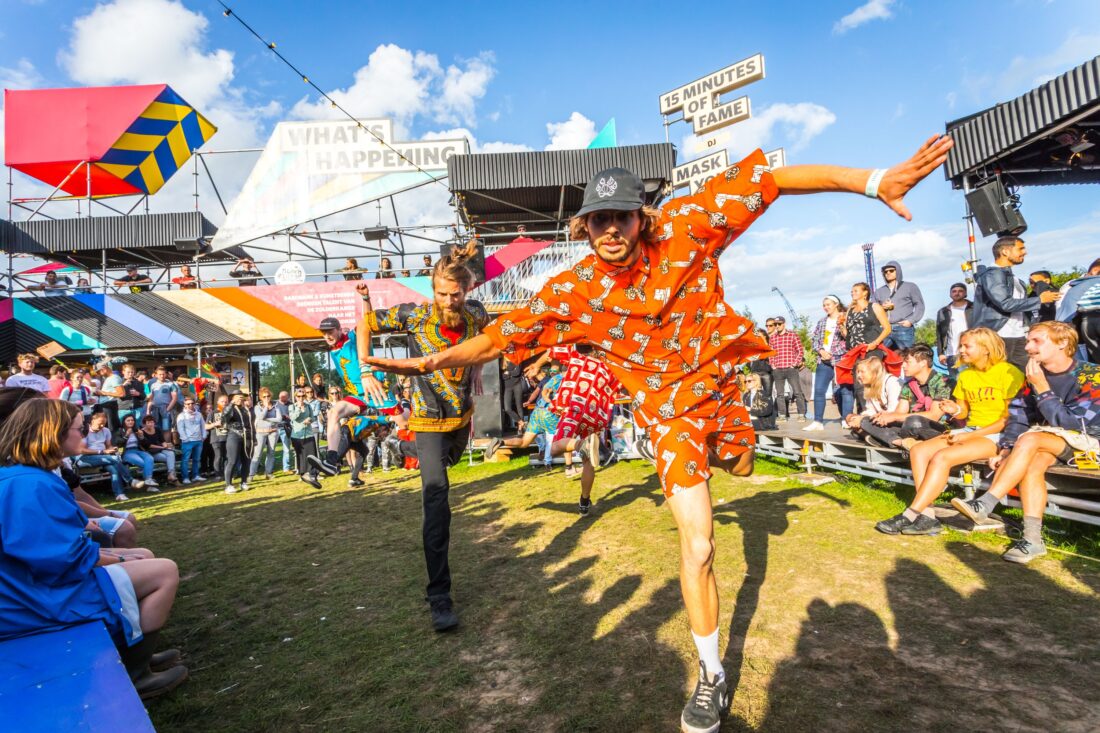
609, 206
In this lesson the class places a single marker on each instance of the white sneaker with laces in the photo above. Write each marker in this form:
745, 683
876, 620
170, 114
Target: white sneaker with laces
814, 426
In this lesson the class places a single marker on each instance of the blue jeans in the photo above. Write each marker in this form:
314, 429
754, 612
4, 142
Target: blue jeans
192, 457
142, 460
288, 448
120, 475
265, 444
901, 337
823, 376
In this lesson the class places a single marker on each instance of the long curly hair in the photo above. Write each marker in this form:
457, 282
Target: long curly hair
650, 229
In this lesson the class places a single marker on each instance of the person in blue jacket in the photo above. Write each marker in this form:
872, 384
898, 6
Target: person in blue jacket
51, 574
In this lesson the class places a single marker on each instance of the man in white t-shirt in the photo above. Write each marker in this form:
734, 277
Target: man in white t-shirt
26, 377
951, 321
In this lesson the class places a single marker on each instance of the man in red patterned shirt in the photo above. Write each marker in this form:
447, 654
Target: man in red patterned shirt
788, 359
650, 297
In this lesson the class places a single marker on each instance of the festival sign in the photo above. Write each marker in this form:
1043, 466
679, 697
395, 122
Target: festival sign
700, 101
309, 170
696, 173
776, 158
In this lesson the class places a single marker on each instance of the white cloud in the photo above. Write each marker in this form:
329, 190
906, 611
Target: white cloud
404, 85
871, 10
951, 98
576, 132
1025, 72
793, 126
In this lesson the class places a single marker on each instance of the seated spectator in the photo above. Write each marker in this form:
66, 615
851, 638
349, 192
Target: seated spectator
881, 393
185, 280
26, 377
97, 451
59, 379
405, 273
53, 284
136, 282
917, 416
128, 440
191, 428
51, 574
352, 270
981, 399
246, 272
153, 443
761, 405
543, 422
1057, 417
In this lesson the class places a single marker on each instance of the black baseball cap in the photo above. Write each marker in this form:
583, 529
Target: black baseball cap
131, 267
328, 323
615, 188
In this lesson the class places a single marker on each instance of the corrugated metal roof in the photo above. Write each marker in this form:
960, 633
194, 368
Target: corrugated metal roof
500, 171
18, 338
987, 136
88, 321
178, 319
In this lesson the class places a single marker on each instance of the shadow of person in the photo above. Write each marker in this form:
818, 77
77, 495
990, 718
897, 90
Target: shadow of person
759, 516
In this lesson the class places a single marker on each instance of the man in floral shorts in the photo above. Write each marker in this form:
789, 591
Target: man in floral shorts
650, 297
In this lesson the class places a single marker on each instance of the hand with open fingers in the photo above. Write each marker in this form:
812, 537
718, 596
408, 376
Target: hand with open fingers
375, 389
396, 366
531, 371
900, 179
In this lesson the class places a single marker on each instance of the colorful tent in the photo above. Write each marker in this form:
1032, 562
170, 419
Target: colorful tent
121, 140
57, 267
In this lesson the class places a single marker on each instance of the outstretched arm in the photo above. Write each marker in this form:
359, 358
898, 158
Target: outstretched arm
477, 350
897, 181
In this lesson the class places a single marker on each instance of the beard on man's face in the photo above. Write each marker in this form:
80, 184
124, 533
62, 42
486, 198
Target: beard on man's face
614, 248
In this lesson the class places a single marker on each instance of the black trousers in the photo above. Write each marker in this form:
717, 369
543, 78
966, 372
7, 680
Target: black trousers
303, 447
1088, 333
217, 460
914, 426
513, 400
237, 456
437, 452
1015, 353
789, 376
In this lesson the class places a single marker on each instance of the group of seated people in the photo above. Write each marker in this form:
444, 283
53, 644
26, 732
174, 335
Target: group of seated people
65, 558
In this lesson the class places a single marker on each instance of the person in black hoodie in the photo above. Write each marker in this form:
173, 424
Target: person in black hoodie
761, 406
237, 419
951, 321
904, 306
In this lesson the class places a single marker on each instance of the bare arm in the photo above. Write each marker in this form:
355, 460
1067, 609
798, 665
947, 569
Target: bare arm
803, 179
371, 385
477, 350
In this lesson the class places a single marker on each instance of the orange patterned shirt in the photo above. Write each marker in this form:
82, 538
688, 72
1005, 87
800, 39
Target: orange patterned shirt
663, 323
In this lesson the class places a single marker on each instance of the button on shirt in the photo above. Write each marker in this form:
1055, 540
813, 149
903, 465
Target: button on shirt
788, 350
662, 323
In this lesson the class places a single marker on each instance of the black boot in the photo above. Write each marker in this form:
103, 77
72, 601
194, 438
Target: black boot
443, 616
150, 684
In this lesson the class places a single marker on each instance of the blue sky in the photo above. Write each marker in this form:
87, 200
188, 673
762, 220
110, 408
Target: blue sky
865, 92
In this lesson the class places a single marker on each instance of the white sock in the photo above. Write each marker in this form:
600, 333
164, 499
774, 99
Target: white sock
708, 653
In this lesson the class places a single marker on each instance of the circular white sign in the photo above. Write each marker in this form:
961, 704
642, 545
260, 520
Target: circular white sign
290, 273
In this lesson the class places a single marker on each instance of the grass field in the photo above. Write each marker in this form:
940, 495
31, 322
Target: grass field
302, 610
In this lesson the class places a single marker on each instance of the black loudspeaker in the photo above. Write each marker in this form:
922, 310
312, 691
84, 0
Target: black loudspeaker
995, 211
488, 408
475, 263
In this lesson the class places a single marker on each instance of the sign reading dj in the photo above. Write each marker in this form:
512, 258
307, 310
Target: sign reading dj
700, 101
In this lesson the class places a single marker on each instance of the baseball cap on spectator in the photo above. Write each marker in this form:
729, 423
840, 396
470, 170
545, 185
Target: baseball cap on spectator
329, 323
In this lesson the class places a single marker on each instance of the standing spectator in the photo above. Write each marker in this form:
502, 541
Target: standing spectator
951, 321
240, 437
267, 419
866, 323
903, 304
159, 448
513, 392
789, 356
97, 451
26, 377
164, 395
763, 367
1041, 283
385, 269
191, 427
1080, 305
760, 403
110, 392
830, 347
302, 421
128, 440
137, 283
186, 281
59, 379
427, 270
83, 287
246, 272
79, 394
54, 285
283, 406
1000, 299
218, 433
352, 270
133, 394
319, 388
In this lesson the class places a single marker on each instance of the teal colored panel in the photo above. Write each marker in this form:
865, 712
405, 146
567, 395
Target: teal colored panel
62, 333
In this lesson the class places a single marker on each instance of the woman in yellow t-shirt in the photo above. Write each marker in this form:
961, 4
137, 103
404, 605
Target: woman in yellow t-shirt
982, 395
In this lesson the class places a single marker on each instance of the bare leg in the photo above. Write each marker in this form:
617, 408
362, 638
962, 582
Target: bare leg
523, 442
739, 465
921, 453
336, 413
939, 468
155, 583
1028, 448
131, 553
692, 511
1033, 487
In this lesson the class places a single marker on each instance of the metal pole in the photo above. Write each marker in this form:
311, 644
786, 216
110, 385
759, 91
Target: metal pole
89, 188
195, 175
103, 263
973, 261
290, 356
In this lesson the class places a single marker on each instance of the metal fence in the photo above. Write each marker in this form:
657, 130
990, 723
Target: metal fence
515, 286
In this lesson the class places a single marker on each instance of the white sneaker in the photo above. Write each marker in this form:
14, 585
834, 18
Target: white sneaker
244, 487
135, 484
815, 425
151, 489
122, 497
230, 489
151, 484
186, 482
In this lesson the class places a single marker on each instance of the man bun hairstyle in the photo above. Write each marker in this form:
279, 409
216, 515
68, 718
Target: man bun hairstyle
453, 265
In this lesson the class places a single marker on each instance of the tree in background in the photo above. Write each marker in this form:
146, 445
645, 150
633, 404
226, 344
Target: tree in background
926, 332
275, 374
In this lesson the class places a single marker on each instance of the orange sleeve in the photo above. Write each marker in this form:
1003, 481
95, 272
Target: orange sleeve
728, 204
548, 319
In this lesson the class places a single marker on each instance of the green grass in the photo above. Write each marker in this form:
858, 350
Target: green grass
303, 611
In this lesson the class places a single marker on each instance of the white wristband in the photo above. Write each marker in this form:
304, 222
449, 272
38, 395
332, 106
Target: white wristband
873, 181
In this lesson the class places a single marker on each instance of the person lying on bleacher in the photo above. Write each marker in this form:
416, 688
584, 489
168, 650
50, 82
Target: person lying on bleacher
1056, 417
917, 416
881, 393
981, 399
51, 574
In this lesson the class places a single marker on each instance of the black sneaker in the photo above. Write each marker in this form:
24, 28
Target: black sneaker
584, 505
893, 525
644, 448
923, 525
354, 483
443, 615
972, 509
703, 712
323, 466
494, 446
311, 479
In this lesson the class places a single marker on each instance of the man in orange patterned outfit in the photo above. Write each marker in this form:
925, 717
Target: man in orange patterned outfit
650, 298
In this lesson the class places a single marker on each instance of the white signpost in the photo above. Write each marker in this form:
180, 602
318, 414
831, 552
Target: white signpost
776, 158
696, 173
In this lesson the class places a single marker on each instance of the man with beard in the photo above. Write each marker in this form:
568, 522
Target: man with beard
651, 299
441, 403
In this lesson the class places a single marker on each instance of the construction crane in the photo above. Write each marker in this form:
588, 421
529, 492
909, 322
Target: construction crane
869, 264
790, 308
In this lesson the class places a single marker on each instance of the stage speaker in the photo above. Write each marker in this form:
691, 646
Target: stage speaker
488, 407
476, 263
995, 210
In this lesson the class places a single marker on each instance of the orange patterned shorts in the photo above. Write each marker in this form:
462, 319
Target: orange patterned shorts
682, 445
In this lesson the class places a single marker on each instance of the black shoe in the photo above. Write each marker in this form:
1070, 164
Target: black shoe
443, 615
323, 466
311, 479
893, 525
703, 712
164, 660
494, 446
355, 483
584, 505
154, 684
923, 525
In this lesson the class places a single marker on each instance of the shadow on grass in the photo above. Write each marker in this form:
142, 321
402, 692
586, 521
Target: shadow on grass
1020, 653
